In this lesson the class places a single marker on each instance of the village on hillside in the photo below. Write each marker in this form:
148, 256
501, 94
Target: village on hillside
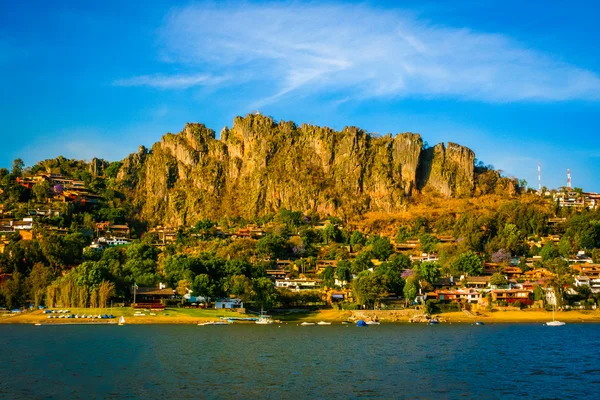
308, 261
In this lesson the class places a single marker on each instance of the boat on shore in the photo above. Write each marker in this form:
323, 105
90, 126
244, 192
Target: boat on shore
323, 323
307, 324
219, 323
264, 319
373, 323
122, 321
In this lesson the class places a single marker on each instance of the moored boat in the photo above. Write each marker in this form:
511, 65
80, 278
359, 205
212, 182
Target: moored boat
323, 323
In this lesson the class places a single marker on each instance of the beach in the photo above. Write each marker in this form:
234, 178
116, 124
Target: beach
194, 316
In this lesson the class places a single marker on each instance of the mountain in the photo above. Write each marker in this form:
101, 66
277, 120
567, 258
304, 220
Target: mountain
259, 166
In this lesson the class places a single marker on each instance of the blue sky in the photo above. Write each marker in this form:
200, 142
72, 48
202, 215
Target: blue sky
518, 83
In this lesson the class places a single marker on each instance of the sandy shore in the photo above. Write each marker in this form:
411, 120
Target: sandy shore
195, 316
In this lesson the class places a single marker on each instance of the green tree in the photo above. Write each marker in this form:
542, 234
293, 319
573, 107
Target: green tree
204, 286
596, 256
270, 246
410, 289
549, 251
182, 288
357, 240
362, 262
498, 279
14, 290
331, 233
17, 168
265, 294
240, 286
106, 290
403, 234
428, 243
38, 281
381, 248
428, 271
468, 263
369, 288
328, 276
41, 191
343, 271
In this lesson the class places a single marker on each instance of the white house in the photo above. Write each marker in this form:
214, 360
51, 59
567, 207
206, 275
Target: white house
229, 303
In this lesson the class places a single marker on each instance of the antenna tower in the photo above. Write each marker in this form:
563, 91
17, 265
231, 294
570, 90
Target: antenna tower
569, 179
539, 177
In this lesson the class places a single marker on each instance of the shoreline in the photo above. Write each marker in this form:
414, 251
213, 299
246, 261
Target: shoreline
195, 316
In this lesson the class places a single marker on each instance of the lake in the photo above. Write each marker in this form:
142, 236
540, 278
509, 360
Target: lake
337, 361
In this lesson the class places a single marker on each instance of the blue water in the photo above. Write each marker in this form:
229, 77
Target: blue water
337, 361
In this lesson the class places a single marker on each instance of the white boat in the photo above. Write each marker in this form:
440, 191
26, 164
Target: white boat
554, 322
323, 323
122, 320
212, 323
373, 323
264, 319
307, 324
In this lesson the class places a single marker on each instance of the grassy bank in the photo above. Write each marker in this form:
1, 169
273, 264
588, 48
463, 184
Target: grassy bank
169, 316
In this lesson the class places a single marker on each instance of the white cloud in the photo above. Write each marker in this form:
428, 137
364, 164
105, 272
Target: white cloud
170, 81
361, 52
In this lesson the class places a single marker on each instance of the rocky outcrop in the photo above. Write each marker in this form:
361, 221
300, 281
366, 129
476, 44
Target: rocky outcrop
448, 170
259, 166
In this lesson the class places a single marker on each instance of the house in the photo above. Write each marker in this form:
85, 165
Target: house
27, 224
512, 272
297, 285
446, 283
323, 264
538, 273
151, 297
456, 296
283, 264
425, 257
229, 304
112, 241
589, 270
512, 295
120, 230
581, 281
276, 274
476, 282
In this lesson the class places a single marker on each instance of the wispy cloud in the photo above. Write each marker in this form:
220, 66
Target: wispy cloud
171, 81
361, 52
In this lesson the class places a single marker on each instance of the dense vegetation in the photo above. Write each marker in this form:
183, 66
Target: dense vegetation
501, 223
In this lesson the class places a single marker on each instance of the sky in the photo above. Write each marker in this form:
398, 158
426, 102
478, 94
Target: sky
517, 82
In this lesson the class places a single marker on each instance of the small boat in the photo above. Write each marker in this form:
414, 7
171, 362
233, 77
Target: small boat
479, 323
434, 322
212, 323
264, 319
373, 323
307, 324
121, 321
362, 323
554, 322
323, 323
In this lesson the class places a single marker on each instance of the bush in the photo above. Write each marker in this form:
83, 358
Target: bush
450, 307
518, 304
349, 306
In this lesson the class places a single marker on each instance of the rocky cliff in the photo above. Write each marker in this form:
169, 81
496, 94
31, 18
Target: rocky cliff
259, 166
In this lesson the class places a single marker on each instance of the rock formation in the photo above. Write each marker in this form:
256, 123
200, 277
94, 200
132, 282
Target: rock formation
259, 166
